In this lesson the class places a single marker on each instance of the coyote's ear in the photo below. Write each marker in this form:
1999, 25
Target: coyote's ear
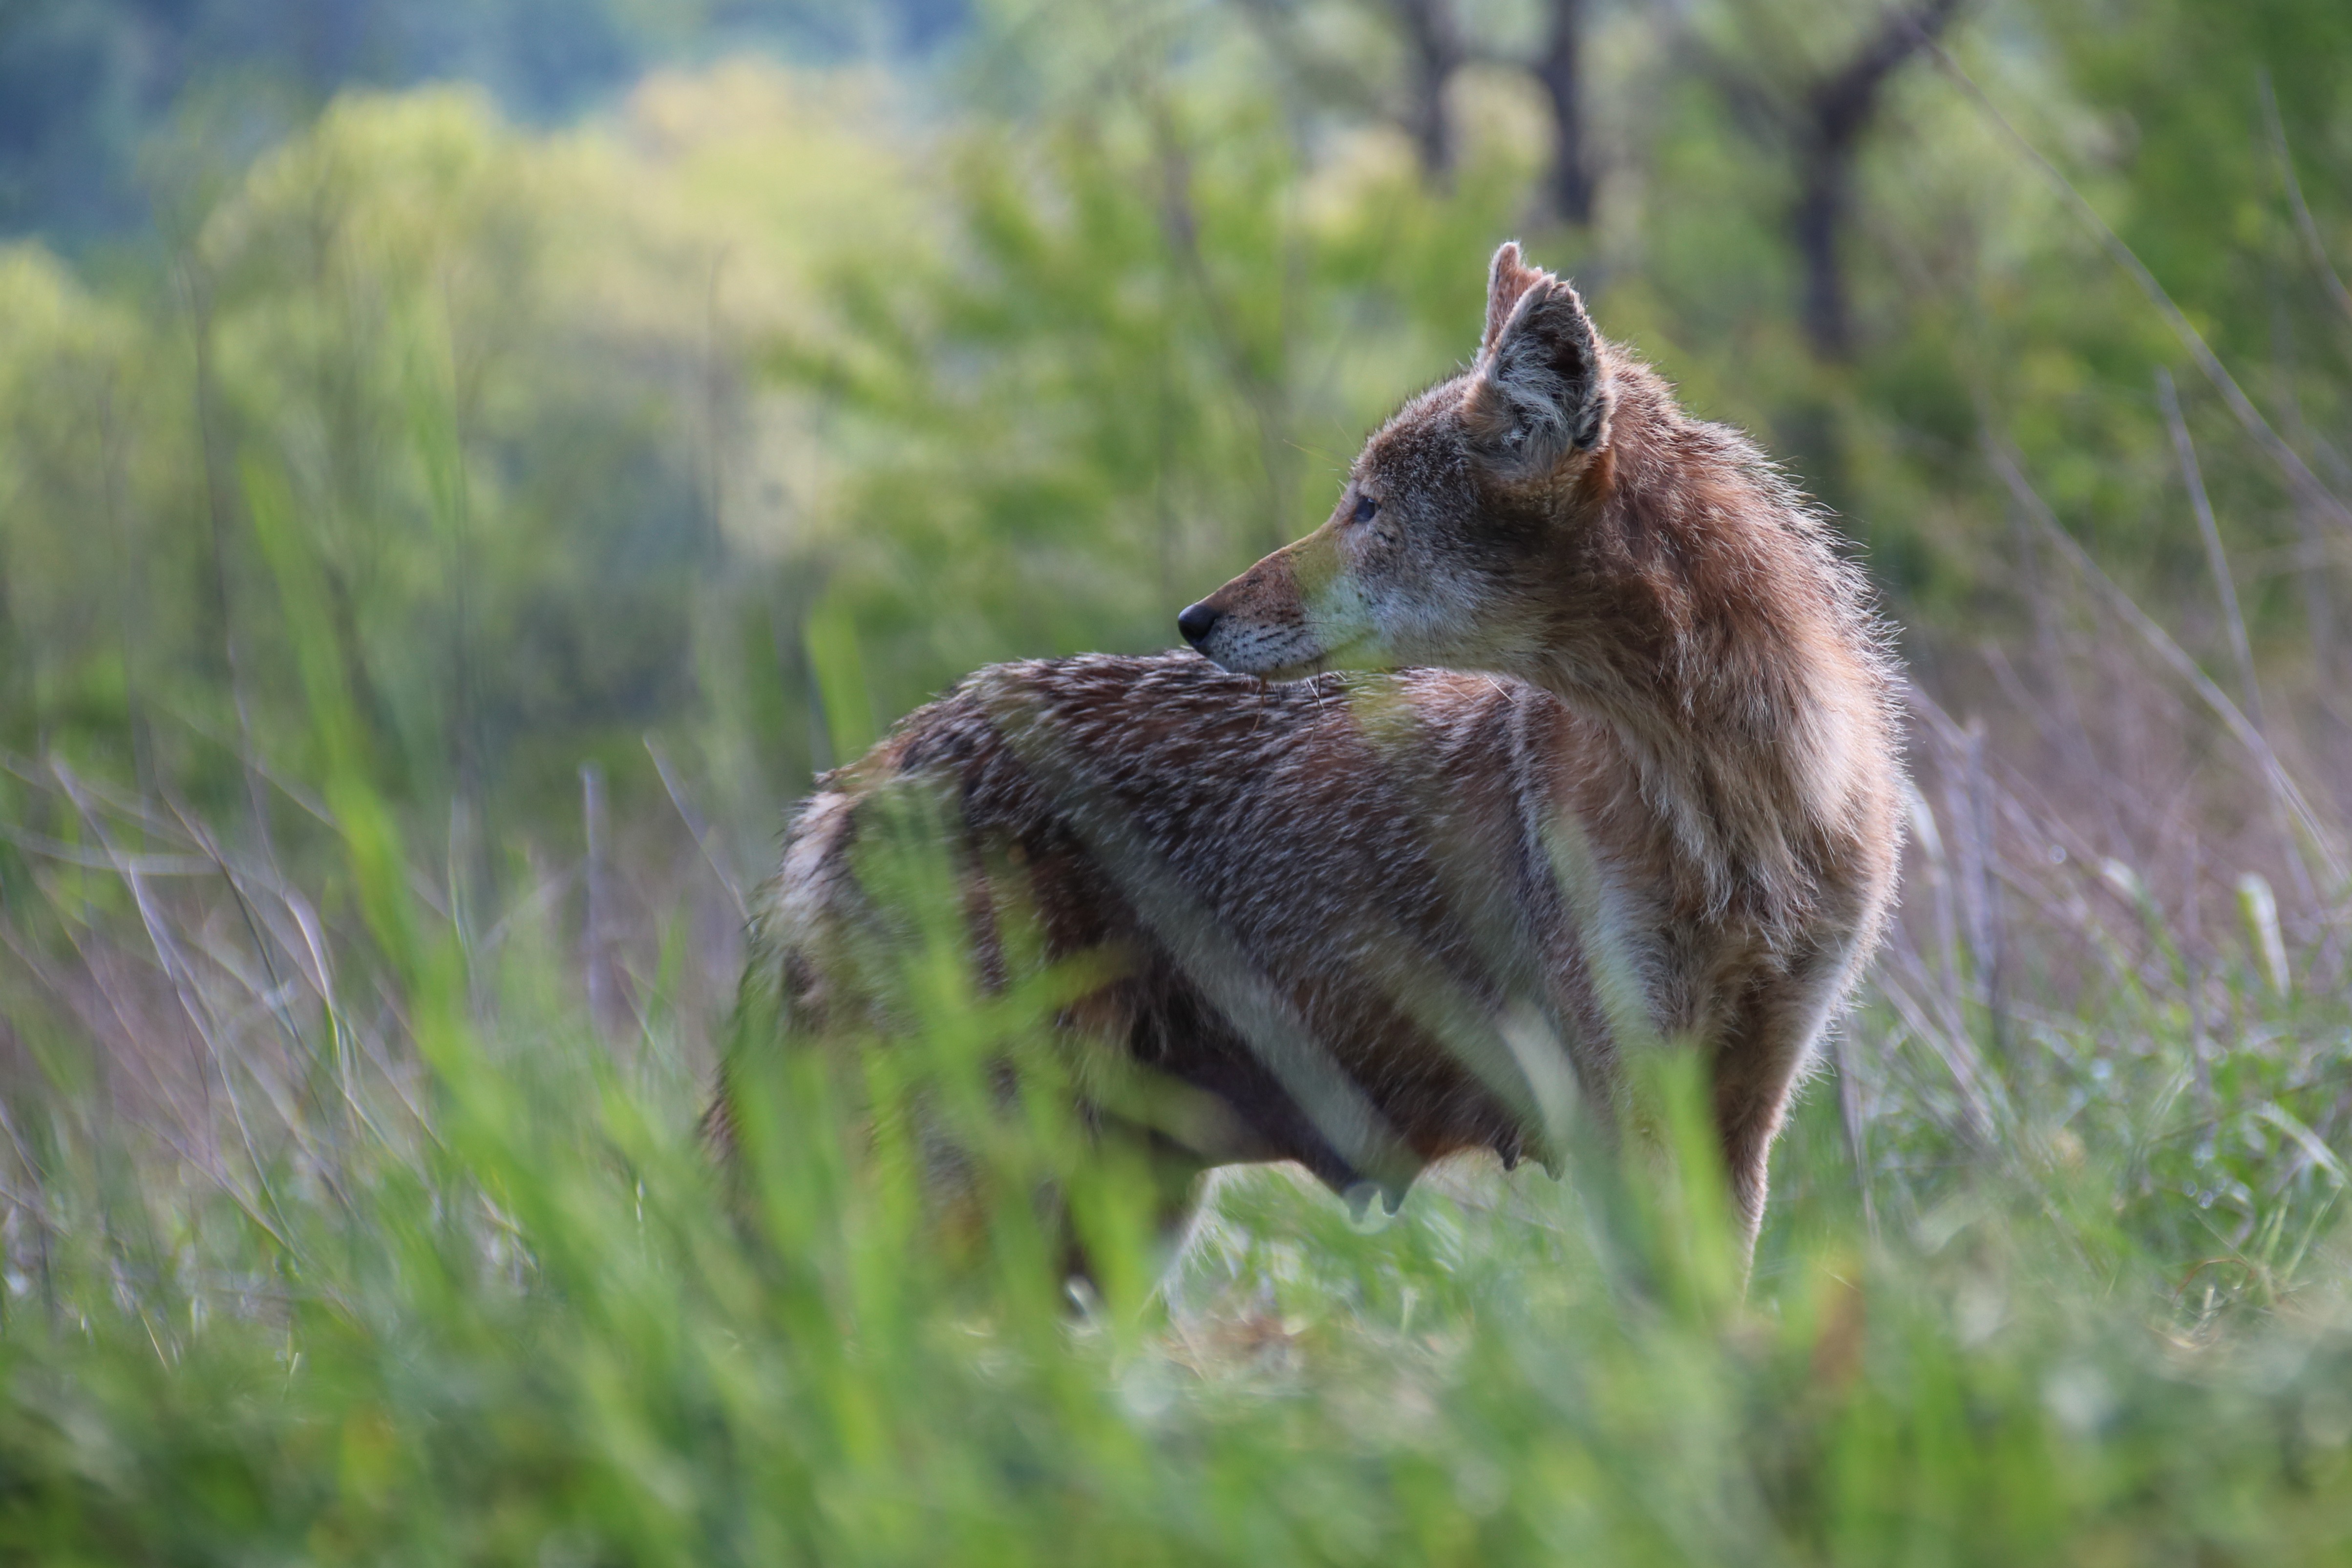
1541, 390
1507, 277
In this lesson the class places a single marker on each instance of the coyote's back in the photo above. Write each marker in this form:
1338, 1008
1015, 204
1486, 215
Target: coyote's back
1639, 785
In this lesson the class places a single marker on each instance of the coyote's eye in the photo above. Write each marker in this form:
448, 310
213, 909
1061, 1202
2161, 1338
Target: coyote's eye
1365, 507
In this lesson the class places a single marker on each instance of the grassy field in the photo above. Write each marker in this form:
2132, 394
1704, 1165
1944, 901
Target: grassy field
415, 1257
430, 560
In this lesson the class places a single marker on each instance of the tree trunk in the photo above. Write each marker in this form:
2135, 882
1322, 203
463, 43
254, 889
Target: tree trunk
1562, 80
1816, 224
1435, 49
1838, 109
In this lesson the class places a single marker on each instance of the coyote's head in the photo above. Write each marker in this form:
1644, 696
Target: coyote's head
1445, 546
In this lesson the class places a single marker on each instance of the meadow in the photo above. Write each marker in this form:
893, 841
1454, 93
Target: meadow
432, 559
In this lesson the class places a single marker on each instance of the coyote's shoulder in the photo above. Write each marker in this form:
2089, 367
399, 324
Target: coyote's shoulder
1634, 776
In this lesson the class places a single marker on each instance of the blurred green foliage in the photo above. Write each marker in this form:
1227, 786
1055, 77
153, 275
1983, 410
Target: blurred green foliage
588, 423
107, 106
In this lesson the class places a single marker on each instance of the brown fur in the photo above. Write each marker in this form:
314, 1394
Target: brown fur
1636, 781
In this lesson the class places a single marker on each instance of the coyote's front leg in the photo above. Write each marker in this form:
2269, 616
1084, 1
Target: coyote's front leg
1757, 1064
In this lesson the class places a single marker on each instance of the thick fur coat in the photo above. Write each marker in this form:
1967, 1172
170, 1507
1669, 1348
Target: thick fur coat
1634, 780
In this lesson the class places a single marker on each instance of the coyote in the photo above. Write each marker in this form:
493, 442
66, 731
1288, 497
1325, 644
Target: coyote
1632, 778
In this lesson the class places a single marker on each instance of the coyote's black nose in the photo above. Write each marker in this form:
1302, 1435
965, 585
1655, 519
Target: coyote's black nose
1196, 622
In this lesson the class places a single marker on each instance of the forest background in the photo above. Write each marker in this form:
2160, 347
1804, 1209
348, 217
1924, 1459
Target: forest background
464, 469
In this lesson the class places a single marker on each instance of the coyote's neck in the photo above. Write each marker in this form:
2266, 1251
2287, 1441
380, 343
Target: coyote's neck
1738, 670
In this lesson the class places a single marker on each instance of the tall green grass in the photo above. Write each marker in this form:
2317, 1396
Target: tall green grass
423, 1261
538, 1328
